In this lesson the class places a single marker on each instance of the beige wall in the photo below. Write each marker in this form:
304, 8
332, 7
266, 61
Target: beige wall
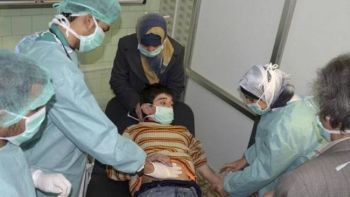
16, 23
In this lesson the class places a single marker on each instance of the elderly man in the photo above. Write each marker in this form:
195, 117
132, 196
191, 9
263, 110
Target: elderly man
329, 173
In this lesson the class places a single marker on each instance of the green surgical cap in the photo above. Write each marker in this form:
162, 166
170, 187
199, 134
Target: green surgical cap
18, 96
106, 11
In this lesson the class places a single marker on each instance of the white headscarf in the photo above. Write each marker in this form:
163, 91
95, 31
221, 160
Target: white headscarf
265, 81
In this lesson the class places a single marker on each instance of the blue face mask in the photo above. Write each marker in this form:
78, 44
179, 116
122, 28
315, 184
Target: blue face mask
92, 41
163, 115
147, 53
32, 126
255, 107
326, 134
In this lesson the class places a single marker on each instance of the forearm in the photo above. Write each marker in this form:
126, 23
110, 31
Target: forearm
208, 174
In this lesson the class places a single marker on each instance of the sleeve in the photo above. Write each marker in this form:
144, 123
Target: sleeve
115, 174
273, 157
176, 75
196, 151
250, 154
78, 116
120, 79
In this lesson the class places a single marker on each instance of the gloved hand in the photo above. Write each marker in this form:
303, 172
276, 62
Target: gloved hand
52, 183
162, 171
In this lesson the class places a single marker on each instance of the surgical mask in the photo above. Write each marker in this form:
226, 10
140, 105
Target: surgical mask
326, 133
255, 107
32, 125
163, 115
147, 53
87, 43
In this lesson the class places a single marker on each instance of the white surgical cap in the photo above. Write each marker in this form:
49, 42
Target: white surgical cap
265, 82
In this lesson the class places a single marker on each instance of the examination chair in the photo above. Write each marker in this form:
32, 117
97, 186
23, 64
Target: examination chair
100, 185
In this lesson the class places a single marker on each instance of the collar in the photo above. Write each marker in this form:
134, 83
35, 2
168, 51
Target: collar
330, 145
56, 30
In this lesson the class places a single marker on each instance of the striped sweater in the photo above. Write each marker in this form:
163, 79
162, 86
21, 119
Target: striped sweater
174, 141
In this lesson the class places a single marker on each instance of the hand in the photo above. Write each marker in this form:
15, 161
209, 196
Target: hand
218, 185
159, 158
234, 166
162, 171
52, 183
269, 194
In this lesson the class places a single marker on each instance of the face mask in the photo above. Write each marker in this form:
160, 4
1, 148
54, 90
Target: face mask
255, 107
326, 134
163, 115
147, 53
32, 126
87, 43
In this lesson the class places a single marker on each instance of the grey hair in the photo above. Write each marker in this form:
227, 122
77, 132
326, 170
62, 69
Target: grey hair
332, 90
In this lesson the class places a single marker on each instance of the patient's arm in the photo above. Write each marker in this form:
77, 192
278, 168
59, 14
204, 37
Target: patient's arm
215, 180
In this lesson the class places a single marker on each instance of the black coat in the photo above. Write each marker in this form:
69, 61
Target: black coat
128, 78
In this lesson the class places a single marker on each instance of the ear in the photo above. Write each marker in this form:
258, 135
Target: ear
89, 21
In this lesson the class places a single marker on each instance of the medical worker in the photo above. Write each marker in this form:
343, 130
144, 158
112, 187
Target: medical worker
286, 136
76, 125
25, 88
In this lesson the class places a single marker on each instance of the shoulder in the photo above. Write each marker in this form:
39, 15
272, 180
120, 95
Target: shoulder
178, 48
296, 111
128, 40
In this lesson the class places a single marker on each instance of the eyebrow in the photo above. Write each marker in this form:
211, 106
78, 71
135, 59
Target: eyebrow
161, 98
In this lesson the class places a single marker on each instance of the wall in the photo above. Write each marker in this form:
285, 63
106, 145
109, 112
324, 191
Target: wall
319, 31
16, 23
230, 37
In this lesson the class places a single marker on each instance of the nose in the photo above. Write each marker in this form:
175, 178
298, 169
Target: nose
170, 103
151, 48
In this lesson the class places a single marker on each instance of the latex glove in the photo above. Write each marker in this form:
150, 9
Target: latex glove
52, 183
162, 171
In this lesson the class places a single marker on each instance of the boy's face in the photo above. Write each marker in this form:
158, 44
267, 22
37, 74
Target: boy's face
163, 100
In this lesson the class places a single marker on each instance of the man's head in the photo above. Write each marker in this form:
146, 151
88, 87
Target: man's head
156, 103
24, 89
333, 94
85, 21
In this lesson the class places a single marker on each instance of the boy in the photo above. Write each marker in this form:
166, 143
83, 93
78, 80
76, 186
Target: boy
154, 134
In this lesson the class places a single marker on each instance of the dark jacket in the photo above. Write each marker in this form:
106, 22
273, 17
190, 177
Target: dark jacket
128, 78
319, 177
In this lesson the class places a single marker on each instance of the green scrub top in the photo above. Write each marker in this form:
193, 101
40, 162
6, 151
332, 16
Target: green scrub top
76, 125
15, 175
285, 138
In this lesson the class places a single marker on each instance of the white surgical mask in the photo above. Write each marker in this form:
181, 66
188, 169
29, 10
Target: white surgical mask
326, 133
255, 107
147, 53
32, 125
163, 115
87, 43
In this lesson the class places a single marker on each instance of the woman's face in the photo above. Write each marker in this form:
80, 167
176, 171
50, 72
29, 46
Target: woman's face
261, 103
151, 48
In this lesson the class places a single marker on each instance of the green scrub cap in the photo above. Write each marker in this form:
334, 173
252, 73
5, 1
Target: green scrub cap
106, 11
18, 74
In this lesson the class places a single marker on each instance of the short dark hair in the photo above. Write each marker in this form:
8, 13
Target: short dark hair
333, 92
69, 16
150, 92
